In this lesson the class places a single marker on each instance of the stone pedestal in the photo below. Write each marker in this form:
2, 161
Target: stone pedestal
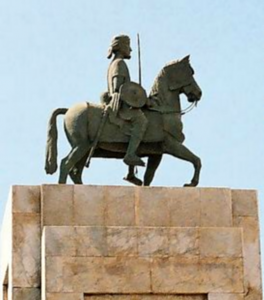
66, 242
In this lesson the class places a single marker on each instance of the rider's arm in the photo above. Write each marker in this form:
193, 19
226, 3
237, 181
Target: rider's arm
117, 81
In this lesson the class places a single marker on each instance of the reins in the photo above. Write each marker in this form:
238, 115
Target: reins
189, 108
182, 112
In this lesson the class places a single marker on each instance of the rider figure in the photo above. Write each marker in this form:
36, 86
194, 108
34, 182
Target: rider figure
117, 75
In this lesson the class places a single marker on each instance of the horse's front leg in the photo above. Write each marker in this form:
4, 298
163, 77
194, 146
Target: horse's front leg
176, 149
152, 165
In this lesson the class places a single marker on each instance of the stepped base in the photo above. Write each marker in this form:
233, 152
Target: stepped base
66, 242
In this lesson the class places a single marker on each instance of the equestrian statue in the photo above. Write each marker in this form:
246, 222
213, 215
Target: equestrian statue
127, 124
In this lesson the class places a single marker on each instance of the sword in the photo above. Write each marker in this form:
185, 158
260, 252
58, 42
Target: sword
95, 142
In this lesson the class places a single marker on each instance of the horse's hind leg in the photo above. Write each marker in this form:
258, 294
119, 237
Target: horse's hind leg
176, 149
152, 165
131, 177
68, 163
76, 171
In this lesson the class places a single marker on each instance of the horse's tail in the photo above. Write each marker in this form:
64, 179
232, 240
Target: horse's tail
51, 146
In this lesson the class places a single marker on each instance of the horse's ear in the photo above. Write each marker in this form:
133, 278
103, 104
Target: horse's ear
186, 58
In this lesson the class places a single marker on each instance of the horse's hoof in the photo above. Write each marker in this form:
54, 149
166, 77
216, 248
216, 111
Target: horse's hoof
192, 184
134, 180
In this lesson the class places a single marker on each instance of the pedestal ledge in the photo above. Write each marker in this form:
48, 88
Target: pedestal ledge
75, 242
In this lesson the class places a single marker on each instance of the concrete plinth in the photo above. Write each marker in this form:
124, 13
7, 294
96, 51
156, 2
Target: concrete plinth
66, 242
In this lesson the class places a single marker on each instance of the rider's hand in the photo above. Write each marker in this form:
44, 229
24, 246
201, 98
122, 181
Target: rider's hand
115, 102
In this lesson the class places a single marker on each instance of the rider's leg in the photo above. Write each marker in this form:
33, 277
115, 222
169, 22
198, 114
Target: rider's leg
139, 126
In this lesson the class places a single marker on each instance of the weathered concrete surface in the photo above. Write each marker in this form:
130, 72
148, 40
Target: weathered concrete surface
245, 216
26, 294
145, 297
160, 207
83, 242
20, 240
217, 296
104, 241
64, 296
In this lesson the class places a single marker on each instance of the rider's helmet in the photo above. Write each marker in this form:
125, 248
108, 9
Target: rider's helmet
117, 43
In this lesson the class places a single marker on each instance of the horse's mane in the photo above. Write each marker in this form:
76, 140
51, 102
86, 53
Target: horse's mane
159, 82
169, 74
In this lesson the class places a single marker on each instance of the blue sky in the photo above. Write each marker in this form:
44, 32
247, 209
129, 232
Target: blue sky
53, 54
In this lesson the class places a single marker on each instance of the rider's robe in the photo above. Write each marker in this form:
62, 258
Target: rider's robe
125, 115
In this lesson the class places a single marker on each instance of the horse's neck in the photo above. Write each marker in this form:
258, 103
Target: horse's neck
165, 97
172, 99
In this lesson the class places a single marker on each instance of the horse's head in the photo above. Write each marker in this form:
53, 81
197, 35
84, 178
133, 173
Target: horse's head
179, 76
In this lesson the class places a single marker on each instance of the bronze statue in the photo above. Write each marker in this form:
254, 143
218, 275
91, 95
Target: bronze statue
130, 108
127, 125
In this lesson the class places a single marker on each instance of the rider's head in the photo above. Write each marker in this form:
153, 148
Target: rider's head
120, 44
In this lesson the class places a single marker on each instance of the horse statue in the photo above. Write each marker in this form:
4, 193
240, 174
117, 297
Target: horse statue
163, 135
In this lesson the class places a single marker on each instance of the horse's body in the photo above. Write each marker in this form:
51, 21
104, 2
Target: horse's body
163, 135
89, 116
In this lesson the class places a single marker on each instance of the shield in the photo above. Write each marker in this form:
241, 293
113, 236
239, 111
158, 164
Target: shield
133, 94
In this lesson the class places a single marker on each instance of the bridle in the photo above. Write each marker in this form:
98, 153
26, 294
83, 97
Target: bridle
172, 111
189, 108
